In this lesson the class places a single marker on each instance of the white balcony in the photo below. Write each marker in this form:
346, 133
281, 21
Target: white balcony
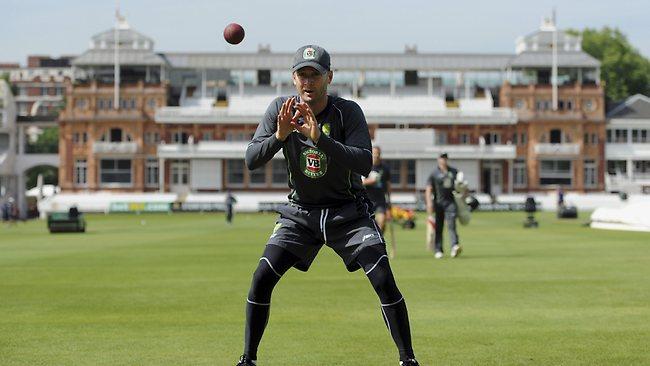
100, 147
206, 150
557, 149
615, 151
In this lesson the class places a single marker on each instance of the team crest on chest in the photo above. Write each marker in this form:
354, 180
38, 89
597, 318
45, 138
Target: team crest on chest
313, 163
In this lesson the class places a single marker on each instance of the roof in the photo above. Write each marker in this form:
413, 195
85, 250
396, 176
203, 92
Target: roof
95, 57
383, 61
564, 59
634, 107
343, 61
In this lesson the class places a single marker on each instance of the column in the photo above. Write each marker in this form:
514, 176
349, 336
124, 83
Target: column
241, 83
430, 86
20, 195
161, 175
21, 140
630, 169
204, 77
392, 84
511, 172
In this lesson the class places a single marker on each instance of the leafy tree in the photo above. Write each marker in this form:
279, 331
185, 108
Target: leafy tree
623, 68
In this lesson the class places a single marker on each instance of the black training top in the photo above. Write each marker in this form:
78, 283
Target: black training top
378, 190
326, 174
443, 185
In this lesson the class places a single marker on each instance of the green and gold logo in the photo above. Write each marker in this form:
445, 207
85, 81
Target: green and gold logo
313, 163
326, 128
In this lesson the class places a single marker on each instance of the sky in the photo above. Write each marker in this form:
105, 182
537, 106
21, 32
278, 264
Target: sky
64, 27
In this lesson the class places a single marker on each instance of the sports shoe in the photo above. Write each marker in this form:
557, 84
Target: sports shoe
456, 250
438, 255
411, 362
245, 361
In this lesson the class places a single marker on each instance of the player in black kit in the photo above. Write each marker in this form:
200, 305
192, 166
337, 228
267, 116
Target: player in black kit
326, 144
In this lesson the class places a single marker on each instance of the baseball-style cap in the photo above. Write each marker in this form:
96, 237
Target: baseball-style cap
313, 56
444, 155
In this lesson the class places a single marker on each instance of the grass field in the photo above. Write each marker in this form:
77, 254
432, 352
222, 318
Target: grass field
170, 290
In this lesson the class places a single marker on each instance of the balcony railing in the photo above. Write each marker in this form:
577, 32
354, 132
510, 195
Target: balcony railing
100, 147
557, 149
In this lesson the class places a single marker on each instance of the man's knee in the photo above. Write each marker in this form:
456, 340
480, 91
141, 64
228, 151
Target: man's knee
377, 268
264, 280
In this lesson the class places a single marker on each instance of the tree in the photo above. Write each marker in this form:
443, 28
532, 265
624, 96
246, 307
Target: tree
623, 68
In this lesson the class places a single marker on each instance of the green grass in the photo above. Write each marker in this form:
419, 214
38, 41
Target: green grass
172, 292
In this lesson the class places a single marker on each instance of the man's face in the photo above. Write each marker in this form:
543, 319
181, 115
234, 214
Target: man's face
442, 162
311, 84
376, 156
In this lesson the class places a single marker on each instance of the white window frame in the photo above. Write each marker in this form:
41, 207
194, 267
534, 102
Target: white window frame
151, 172
519, 174
80, 178
590, 175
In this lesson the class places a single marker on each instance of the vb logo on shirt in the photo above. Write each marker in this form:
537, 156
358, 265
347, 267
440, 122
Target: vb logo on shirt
313, 163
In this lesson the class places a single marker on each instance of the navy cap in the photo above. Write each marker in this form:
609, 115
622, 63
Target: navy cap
312, 56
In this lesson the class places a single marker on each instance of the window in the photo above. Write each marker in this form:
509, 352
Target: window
523, 138
514, 138
237, 136
642, 169
586, 139
257, 177
235, 174
492, 138
464, 139
615, 167
152, 103
410, 173
395, 168
44, 91
589, 105
590, 179
180, 137
543, 105
556, 136
80, 172
617, 136
206, 136
84, 138
279, 172
556, 172
180, 172
519, 176
80, 103
151, 172
75, 138
594, 139
441, 137
116, 135
640, 136
115, 171
520, 104
151, 138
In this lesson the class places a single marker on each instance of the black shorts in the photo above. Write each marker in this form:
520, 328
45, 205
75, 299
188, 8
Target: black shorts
347, 229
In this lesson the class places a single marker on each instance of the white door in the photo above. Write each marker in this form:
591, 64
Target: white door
180, 176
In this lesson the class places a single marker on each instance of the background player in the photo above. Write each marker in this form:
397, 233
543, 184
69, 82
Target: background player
378, 187
440, 202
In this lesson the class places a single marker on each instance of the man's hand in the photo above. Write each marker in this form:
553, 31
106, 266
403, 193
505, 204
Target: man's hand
285, 119
310, 127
